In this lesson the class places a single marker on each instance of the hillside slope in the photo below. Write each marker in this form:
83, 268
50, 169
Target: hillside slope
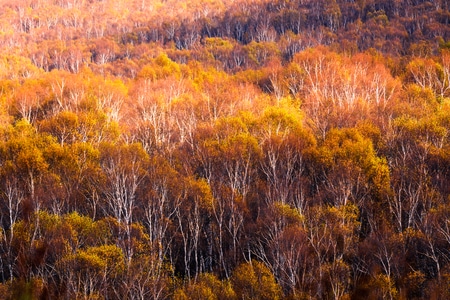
224, 149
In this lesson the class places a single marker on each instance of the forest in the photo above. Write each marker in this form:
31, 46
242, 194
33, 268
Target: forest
230, 149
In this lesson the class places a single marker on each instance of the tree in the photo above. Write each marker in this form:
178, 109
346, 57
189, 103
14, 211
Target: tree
412, 190
38, 244
24, 156
334, 86
124, 169
110, 96
260, 53
30, 99
283, 141
332, 234
64, 126
253, 280
208, 286
282, 245
160, 202
194, 216
352, 169
232, 184
430, 74
96, 270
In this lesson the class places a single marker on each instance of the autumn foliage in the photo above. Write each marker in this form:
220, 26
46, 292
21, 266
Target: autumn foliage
224, 149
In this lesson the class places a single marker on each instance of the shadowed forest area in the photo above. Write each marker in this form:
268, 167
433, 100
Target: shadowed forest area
234, 149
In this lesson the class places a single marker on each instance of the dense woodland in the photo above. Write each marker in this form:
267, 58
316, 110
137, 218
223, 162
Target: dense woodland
235, 149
